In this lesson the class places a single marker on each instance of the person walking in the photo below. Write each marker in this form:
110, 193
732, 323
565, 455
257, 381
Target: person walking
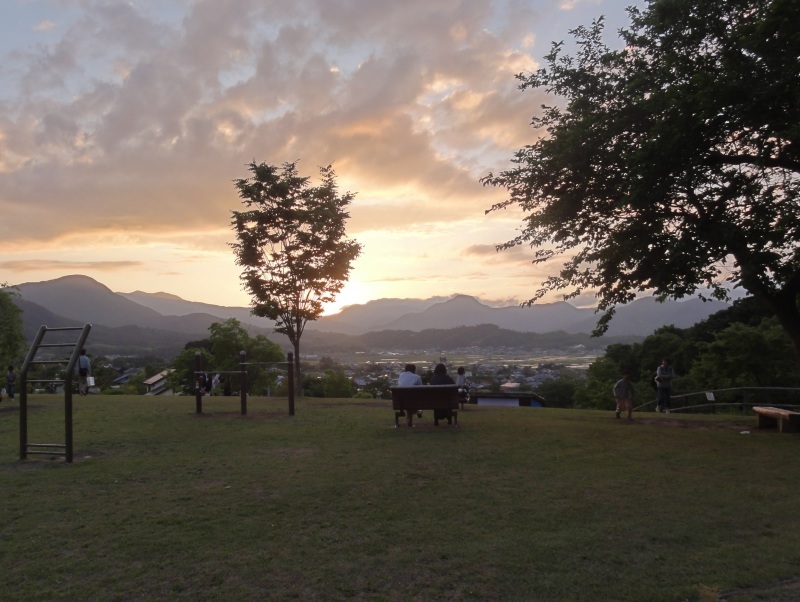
11, 381
624, 394
664, 376
84, 368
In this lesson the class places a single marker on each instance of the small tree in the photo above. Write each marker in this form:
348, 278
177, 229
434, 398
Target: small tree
12, 332
292, 246
673, 164
220, 353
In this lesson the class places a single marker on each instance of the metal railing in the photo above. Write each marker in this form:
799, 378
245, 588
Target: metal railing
749, 397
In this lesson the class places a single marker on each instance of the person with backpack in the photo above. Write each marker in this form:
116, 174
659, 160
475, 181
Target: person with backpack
84, 368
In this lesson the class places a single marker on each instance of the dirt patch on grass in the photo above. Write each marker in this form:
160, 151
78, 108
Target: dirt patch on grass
694, 424
287, 451
378, 405
248, 416
7, 409
780, 591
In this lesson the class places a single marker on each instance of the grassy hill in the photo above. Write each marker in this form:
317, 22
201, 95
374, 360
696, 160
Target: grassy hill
335, 504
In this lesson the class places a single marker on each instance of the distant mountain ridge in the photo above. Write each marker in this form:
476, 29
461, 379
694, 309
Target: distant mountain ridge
81, 299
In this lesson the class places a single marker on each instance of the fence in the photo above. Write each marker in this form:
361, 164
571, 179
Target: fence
242, 372
742, 398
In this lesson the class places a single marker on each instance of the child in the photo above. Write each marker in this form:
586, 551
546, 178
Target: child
623, 394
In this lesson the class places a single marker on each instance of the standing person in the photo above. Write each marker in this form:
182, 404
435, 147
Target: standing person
463, 389
664, 376
623, 394
84, 370
11, 380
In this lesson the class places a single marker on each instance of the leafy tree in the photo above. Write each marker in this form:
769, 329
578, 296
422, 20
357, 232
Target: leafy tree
134, 386
226, 340
558, 392
220, 352
183, 378
667, 341
103, 371
12, 333
746, 356
601, 376
672, 164
332, 383
379, 388
626, 358
749, 311
292, 246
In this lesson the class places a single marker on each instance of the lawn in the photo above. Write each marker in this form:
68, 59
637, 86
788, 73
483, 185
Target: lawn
336, 504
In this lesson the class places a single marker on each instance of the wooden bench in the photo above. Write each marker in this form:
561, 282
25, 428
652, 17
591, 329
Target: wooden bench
786, 420
442, 399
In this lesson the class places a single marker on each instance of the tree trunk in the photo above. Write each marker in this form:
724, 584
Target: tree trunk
298, 379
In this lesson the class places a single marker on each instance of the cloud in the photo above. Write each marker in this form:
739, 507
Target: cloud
44, 26
125, 124
37, 265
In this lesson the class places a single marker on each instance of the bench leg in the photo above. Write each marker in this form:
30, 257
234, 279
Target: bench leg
766, 422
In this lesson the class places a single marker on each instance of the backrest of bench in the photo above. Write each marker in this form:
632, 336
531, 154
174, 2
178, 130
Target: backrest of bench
425, 397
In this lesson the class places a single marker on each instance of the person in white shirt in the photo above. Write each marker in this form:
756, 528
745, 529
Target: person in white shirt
409, 377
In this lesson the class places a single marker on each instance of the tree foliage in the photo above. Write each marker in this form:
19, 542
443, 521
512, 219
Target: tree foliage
292, 245
12, 333
331, 383
673, 164
220, 353
736, 347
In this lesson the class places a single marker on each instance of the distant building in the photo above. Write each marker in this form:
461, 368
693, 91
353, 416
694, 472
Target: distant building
157, 384
125, 376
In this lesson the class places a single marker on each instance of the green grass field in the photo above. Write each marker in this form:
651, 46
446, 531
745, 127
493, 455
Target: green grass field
336, 504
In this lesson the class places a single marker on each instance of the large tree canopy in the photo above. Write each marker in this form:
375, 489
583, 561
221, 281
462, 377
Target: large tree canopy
292, 246
673, 164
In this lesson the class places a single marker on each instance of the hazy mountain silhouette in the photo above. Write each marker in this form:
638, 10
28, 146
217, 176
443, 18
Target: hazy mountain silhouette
103, 340
162, 316
85, 300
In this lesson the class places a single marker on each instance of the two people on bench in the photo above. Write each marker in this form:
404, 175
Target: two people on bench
409, 378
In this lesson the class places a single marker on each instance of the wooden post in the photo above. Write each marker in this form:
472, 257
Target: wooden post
198, 395
290, 377
243, 378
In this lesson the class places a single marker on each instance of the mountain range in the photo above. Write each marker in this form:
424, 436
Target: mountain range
161, 323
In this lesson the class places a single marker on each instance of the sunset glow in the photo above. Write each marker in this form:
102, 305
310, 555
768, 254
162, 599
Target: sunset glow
124, 124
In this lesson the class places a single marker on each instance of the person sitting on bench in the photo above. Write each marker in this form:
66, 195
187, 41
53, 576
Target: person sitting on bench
409, 378
441, 377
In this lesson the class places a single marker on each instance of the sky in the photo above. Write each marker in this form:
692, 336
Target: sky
123, 126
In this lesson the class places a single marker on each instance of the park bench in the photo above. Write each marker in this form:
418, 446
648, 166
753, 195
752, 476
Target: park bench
442, 399
786, 420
